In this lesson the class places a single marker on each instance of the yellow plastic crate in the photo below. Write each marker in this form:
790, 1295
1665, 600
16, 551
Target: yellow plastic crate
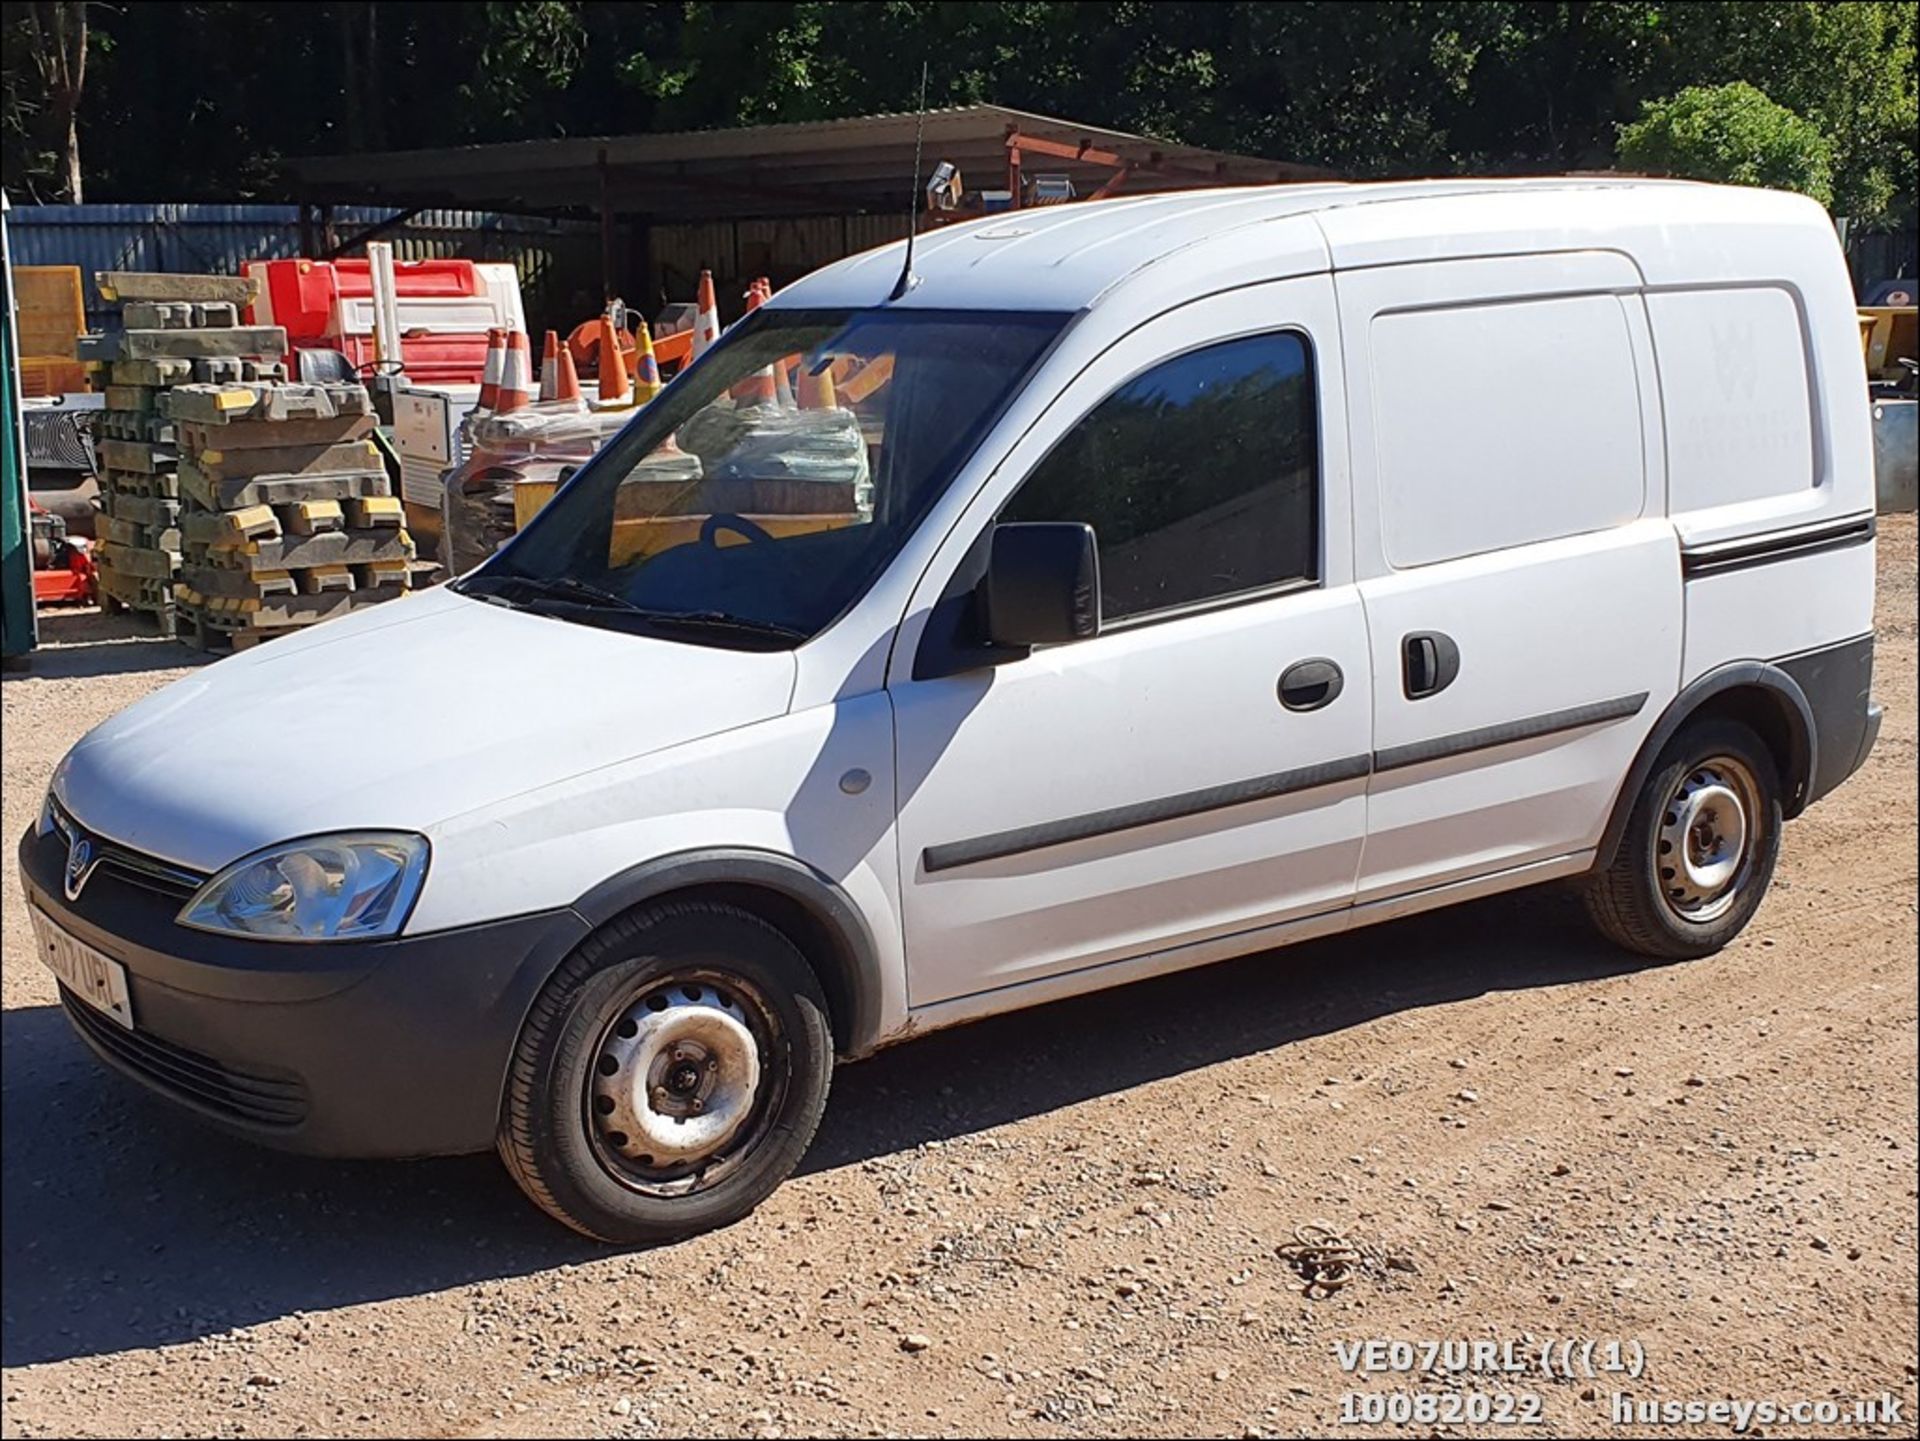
44, 375
52, 309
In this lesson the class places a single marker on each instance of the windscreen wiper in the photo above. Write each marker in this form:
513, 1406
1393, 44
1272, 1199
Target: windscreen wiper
568, 593
563, 588
720, 620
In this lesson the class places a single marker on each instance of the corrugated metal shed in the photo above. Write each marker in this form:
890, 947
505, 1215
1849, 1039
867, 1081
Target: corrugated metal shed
773, 200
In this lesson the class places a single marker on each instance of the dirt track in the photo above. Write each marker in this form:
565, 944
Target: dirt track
1077, 1207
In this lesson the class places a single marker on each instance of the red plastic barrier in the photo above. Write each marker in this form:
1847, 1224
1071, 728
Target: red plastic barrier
412, 278
302, 292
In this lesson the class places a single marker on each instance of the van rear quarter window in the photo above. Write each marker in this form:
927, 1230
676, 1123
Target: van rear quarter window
1733, 380
1504, 424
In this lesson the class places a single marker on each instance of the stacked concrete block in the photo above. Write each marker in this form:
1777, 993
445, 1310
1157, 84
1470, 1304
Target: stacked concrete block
287, 515
178, 329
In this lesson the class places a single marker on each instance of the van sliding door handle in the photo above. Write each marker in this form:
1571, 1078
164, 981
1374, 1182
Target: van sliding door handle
1311, 684
1429, 660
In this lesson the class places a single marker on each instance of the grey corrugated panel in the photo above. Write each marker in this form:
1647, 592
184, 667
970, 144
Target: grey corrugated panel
212, 239
217, 239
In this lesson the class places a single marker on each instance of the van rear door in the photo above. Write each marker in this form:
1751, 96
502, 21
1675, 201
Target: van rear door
1520, 581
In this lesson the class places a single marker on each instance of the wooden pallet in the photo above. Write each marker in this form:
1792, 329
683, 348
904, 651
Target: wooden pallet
163, 620
226, 631
217, 635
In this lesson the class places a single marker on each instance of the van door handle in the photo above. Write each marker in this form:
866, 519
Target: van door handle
1429, 660
1311, 684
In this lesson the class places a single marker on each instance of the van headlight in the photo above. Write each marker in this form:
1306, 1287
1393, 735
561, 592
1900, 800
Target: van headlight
48, 816
354, 886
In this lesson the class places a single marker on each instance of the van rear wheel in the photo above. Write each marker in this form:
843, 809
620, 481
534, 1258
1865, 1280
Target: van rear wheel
669, 1076
1699, 849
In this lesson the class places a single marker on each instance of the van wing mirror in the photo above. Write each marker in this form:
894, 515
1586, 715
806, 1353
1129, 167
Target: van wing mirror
1042, 585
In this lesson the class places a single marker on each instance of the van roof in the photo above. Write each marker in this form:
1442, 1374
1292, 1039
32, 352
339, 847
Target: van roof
1065, 257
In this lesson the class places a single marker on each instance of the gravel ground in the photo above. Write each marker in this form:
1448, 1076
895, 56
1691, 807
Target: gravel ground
1066, 1221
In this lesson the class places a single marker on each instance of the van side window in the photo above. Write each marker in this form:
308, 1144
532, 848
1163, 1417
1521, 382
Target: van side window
1504, 425
1200, 477
1733, 380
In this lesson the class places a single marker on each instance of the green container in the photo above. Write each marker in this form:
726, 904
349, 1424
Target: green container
19, 627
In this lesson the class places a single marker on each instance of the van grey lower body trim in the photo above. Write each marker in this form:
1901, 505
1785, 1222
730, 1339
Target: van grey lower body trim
1460, 742
1124, 970
1766, 549
1837, 681
1001, 844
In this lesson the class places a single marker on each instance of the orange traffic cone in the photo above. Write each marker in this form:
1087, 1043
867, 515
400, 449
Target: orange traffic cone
566, 380
816, 389
550, 367
646, 367
516, 373
759, 294
758, 388
614, 389
490, 377
706, 322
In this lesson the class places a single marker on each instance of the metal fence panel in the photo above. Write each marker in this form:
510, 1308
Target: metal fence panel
737, 251
1876, 255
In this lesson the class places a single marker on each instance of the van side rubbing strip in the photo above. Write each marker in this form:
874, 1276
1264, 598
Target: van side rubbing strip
1508, 732
1002, 844
1124, 818
1766, 549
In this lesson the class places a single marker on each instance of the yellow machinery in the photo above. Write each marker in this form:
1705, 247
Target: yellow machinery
1889, 334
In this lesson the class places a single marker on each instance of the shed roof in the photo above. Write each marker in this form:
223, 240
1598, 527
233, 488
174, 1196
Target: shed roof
823, 167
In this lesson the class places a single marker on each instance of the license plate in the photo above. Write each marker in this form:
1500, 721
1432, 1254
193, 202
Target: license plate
97, 979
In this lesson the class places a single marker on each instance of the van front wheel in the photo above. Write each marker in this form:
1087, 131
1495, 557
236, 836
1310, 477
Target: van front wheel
669, 1076
1699, 848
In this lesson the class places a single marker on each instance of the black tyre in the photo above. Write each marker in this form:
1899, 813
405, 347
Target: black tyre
1699, 848
669, 1076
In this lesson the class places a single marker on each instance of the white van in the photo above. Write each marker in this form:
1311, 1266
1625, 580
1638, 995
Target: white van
1127, 586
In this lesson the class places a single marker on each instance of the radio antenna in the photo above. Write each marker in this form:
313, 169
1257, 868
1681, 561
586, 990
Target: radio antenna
907, 278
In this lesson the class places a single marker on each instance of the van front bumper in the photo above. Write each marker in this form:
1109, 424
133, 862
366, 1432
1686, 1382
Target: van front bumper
376, 1048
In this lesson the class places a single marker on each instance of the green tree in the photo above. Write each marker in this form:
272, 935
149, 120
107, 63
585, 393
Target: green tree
201, 99
1848, 68
1731, 133
45, 114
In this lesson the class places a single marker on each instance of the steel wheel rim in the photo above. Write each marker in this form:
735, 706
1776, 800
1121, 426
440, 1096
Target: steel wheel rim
1708, 837
679, 1086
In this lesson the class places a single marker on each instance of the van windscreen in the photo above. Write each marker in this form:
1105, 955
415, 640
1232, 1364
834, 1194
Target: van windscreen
763, 491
